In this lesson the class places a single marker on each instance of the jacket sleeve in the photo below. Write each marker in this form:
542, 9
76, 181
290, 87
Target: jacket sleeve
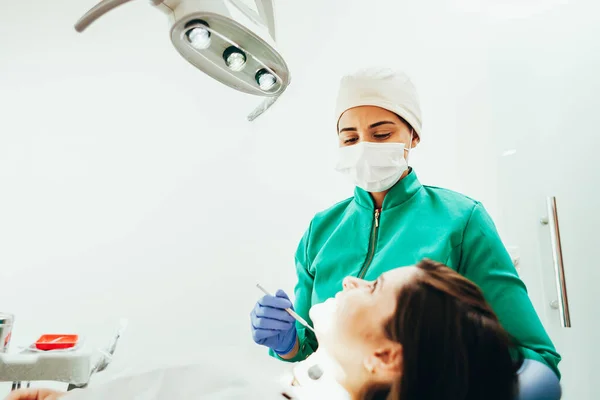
485, 261
303, 294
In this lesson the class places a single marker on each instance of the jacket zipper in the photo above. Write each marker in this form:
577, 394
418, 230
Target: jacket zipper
365, 267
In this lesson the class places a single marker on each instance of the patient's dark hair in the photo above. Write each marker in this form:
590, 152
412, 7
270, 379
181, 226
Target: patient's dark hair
454, 347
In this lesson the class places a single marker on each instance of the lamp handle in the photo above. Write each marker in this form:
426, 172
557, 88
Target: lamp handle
100, 9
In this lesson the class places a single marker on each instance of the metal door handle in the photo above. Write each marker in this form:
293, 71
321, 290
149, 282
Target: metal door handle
557, 258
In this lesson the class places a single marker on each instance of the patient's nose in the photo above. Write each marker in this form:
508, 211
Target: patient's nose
351, 282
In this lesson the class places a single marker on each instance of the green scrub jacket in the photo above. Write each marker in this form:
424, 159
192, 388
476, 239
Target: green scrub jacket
352, 238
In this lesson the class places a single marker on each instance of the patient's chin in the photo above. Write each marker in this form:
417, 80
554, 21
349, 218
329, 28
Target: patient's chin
323, 317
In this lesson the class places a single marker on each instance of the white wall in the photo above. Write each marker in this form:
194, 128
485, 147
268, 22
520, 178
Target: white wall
132, 186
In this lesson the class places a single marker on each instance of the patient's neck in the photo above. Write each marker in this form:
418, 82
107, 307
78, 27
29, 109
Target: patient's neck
355, 389
333, 381
321, 376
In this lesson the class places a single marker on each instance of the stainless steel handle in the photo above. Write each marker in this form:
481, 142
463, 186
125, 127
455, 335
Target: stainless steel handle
559, 267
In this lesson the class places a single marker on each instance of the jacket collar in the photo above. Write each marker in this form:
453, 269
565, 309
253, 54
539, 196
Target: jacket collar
398, 194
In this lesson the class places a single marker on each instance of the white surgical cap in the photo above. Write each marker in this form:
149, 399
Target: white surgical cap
380, 87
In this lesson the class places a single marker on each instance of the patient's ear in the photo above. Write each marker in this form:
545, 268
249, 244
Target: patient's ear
386, 362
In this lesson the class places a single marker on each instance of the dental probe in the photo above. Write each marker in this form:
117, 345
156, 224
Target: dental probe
289, 310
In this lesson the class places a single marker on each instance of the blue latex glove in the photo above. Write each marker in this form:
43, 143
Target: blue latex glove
272, 326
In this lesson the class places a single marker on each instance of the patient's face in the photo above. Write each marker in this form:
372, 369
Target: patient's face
352, 325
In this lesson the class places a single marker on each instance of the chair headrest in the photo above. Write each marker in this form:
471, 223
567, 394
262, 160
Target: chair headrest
538, 382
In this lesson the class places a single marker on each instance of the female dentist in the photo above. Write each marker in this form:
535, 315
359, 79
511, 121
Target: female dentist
393, 220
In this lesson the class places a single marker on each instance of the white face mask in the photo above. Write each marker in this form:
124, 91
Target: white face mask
374, 167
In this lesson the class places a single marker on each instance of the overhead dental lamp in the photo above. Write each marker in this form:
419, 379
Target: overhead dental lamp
232, 41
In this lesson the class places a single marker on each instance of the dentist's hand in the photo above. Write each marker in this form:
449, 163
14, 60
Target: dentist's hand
35, 394
272, 326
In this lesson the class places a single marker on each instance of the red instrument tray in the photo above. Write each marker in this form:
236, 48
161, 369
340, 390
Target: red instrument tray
55, 342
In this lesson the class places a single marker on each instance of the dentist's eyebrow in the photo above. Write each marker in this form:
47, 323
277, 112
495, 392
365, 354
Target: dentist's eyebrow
375, 125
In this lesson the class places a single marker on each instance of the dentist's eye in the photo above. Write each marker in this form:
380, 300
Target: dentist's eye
382, 135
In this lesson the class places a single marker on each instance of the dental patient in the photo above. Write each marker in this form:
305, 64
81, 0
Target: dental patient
416, 333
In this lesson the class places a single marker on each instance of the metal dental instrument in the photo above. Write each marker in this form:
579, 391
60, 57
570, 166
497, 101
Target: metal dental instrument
289, 310
106, 356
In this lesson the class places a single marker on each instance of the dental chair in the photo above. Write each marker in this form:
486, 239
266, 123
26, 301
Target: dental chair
537, 382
